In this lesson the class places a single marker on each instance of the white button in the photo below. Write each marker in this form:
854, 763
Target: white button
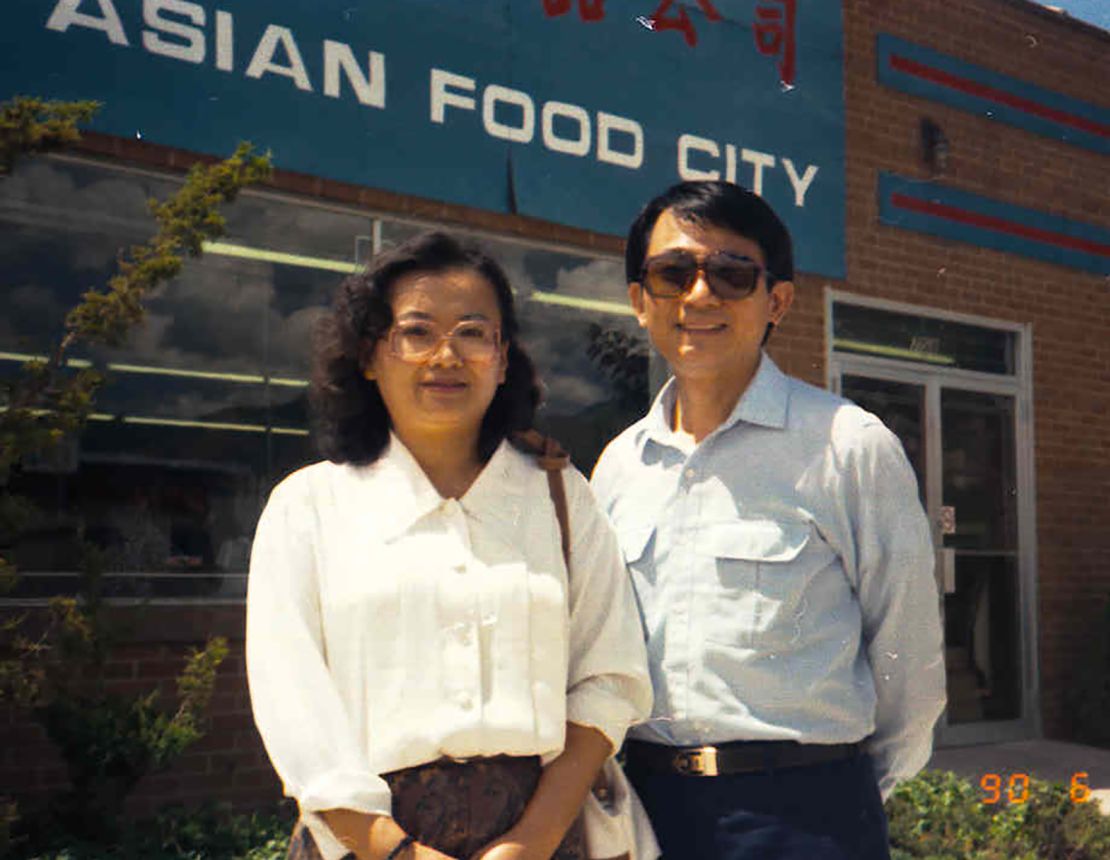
465, 634
466, 702
460, 567
691, 474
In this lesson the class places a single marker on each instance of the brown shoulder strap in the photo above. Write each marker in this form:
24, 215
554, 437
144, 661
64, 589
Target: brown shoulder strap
552, 459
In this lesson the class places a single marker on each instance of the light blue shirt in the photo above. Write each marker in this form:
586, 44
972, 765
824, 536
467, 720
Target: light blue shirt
784, 573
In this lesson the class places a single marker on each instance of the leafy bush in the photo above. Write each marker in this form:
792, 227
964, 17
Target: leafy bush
54, 666
212, 832
940, 816
109, 742
937, 816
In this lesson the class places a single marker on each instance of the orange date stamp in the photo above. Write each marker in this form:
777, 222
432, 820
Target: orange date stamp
1015, 790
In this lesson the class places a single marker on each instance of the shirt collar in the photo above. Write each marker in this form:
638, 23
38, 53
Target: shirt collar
767, 398
399, 493
765, 402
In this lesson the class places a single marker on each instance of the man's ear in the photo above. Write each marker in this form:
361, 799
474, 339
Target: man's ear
782, 297
636, 299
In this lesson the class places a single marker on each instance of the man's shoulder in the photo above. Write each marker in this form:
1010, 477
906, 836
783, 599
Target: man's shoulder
621, 453
624, 442
843, 421
856, 440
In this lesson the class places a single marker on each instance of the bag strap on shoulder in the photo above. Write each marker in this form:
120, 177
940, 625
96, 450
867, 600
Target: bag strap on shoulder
550, 457
553, 459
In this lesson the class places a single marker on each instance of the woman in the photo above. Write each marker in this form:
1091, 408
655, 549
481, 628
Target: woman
415, 646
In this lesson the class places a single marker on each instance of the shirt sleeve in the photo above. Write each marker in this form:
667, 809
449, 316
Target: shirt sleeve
608, 685
297, 708
898, 598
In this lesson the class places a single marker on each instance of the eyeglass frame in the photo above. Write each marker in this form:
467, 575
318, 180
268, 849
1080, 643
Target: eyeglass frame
700, 263
390, 336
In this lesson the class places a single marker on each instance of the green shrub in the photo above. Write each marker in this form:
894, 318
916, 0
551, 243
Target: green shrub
211, 832
940, 816
108, 741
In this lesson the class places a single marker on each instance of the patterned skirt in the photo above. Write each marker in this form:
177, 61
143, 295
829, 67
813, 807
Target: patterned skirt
457, 807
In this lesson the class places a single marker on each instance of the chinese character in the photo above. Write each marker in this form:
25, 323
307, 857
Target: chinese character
589, 10
774, 35
681, 21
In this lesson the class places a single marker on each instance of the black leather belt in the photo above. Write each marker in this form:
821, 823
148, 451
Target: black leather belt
734, 757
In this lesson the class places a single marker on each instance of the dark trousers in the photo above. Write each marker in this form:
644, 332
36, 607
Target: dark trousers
818, 812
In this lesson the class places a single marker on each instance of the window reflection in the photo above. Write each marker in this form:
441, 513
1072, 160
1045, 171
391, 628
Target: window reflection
980, 479
866, 330
205, 406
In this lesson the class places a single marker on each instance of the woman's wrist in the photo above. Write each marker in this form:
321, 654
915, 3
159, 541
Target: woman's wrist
371, 837
400, 849
387, 840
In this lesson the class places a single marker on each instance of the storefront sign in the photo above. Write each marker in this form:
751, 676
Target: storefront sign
572, 111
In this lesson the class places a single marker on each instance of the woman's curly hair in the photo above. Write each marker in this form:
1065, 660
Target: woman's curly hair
351, 421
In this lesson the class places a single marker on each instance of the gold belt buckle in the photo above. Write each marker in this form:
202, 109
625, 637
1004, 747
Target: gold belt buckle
700, 761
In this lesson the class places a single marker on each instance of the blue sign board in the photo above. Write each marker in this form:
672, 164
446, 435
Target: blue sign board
570, 111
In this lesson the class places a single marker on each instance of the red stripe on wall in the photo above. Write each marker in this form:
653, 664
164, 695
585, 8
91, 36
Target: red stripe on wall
989, 222
937, 76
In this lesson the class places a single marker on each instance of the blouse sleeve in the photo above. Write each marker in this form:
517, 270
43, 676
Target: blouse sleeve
297, 708
608, 684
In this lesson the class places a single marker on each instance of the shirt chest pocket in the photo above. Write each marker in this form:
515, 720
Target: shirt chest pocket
761, 569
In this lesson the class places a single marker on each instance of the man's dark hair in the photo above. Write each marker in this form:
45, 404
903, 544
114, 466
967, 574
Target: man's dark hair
720, 204
351, 421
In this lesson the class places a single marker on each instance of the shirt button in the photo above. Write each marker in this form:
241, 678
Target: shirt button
466, 702
460, 567
465, 635
691, 474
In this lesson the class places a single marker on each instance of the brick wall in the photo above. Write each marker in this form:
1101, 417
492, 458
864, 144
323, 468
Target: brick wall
228, 764
1069, 309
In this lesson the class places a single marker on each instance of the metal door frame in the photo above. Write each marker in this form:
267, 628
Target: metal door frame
933, 379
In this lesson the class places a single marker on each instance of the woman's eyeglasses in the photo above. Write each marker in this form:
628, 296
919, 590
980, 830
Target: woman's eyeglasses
673, 273
471, 340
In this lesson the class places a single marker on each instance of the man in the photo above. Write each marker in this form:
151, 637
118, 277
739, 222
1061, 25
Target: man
781, 559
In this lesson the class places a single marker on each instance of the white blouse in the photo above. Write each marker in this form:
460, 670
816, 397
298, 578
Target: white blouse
389, 627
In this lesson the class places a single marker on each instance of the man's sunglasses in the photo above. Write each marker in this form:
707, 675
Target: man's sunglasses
730, 276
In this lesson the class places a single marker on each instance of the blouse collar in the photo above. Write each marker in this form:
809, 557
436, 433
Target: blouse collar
399, 493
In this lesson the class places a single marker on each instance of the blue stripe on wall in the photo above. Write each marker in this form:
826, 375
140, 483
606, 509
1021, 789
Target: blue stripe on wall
950, 213
977, 80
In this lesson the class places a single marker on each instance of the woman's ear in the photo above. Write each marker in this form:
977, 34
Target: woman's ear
366, 360
503, 364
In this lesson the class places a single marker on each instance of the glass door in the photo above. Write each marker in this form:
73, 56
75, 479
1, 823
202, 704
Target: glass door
980, 538
962, 444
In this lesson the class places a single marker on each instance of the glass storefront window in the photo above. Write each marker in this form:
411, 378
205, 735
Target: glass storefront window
205, 406
866, 330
